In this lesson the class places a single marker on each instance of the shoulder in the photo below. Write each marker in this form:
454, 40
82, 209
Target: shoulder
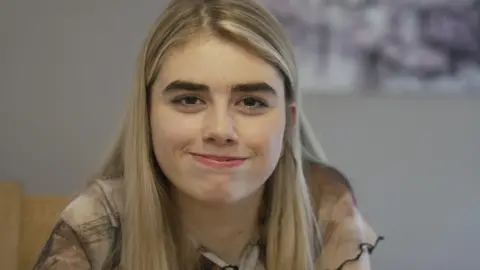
94, 216
347, 237
101, 200
86, 234
329, 188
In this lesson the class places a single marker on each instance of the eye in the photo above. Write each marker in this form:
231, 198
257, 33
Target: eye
252, 105
187, 100
252, 102
188, 103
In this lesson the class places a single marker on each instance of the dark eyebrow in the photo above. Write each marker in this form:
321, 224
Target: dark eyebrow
185, 85
242, 87
254, 87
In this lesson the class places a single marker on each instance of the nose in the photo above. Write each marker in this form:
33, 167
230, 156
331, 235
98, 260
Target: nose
219, 128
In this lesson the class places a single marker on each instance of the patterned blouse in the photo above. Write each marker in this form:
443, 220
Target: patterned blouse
89, 229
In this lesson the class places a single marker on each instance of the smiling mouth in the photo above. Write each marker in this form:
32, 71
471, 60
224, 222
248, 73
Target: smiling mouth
215, 161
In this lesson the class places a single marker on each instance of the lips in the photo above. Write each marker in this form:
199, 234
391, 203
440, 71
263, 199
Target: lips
215, 161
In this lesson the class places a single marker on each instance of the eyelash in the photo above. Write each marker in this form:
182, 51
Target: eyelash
260, 103
179, 100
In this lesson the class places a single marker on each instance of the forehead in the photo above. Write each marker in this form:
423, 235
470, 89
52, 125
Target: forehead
218, 64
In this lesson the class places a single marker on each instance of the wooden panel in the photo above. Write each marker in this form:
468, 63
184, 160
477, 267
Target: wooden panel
10, 221
39, 216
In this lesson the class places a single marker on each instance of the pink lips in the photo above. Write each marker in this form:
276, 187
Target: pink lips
219, 161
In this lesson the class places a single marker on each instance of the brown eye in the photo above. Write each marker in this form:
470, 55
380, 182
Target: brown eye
188, 104
187, 100
190, 100
252, 105
251, 102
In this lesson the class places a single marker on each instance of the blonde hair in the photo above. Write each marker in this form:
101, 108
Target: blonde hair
149, 237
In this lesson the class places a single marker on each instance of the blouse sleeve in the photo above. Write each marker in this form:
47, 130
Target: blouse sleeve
87, 233
62, 251
349, 239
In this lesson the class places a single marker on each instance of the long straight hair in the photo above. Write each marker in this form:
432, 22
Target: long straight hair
150, 239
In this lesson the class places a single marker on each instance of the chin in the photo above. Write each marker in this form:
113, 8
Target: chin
217, 198
218, 188
219, 194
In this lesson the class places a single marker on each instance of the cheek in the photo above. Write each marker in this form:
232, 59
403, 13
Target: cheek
171, 130
264, 136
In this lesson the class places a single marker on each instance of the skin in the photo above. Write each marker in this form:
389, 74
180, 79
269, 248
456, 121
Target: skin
213, 97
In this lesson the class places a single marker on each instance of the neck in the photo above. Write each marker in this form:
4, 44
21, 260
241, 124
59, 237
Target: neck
224, 229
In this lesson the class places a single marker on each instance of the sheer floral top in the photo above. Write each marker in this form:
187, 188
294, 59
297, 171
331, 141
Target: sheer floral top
87, 231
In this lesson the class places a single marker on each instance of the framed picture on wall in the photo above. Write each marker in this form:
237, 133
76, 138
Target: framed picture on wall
384, 46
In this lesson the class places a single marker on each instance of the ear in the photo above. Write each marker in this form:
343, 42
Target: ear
293, 109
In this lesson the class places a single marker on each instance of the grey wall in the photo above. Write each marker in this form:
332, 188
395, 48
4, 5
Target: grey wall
65, 72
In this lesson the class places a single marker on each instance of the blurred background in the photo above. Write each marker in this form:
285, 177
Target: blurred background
66, 68
385, 46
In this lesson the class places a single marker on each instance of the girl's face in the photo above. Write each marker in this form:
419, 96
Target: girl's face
217, 120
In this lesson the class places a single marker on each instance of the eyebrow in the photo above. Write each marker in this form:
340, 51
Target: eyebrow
242, 87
